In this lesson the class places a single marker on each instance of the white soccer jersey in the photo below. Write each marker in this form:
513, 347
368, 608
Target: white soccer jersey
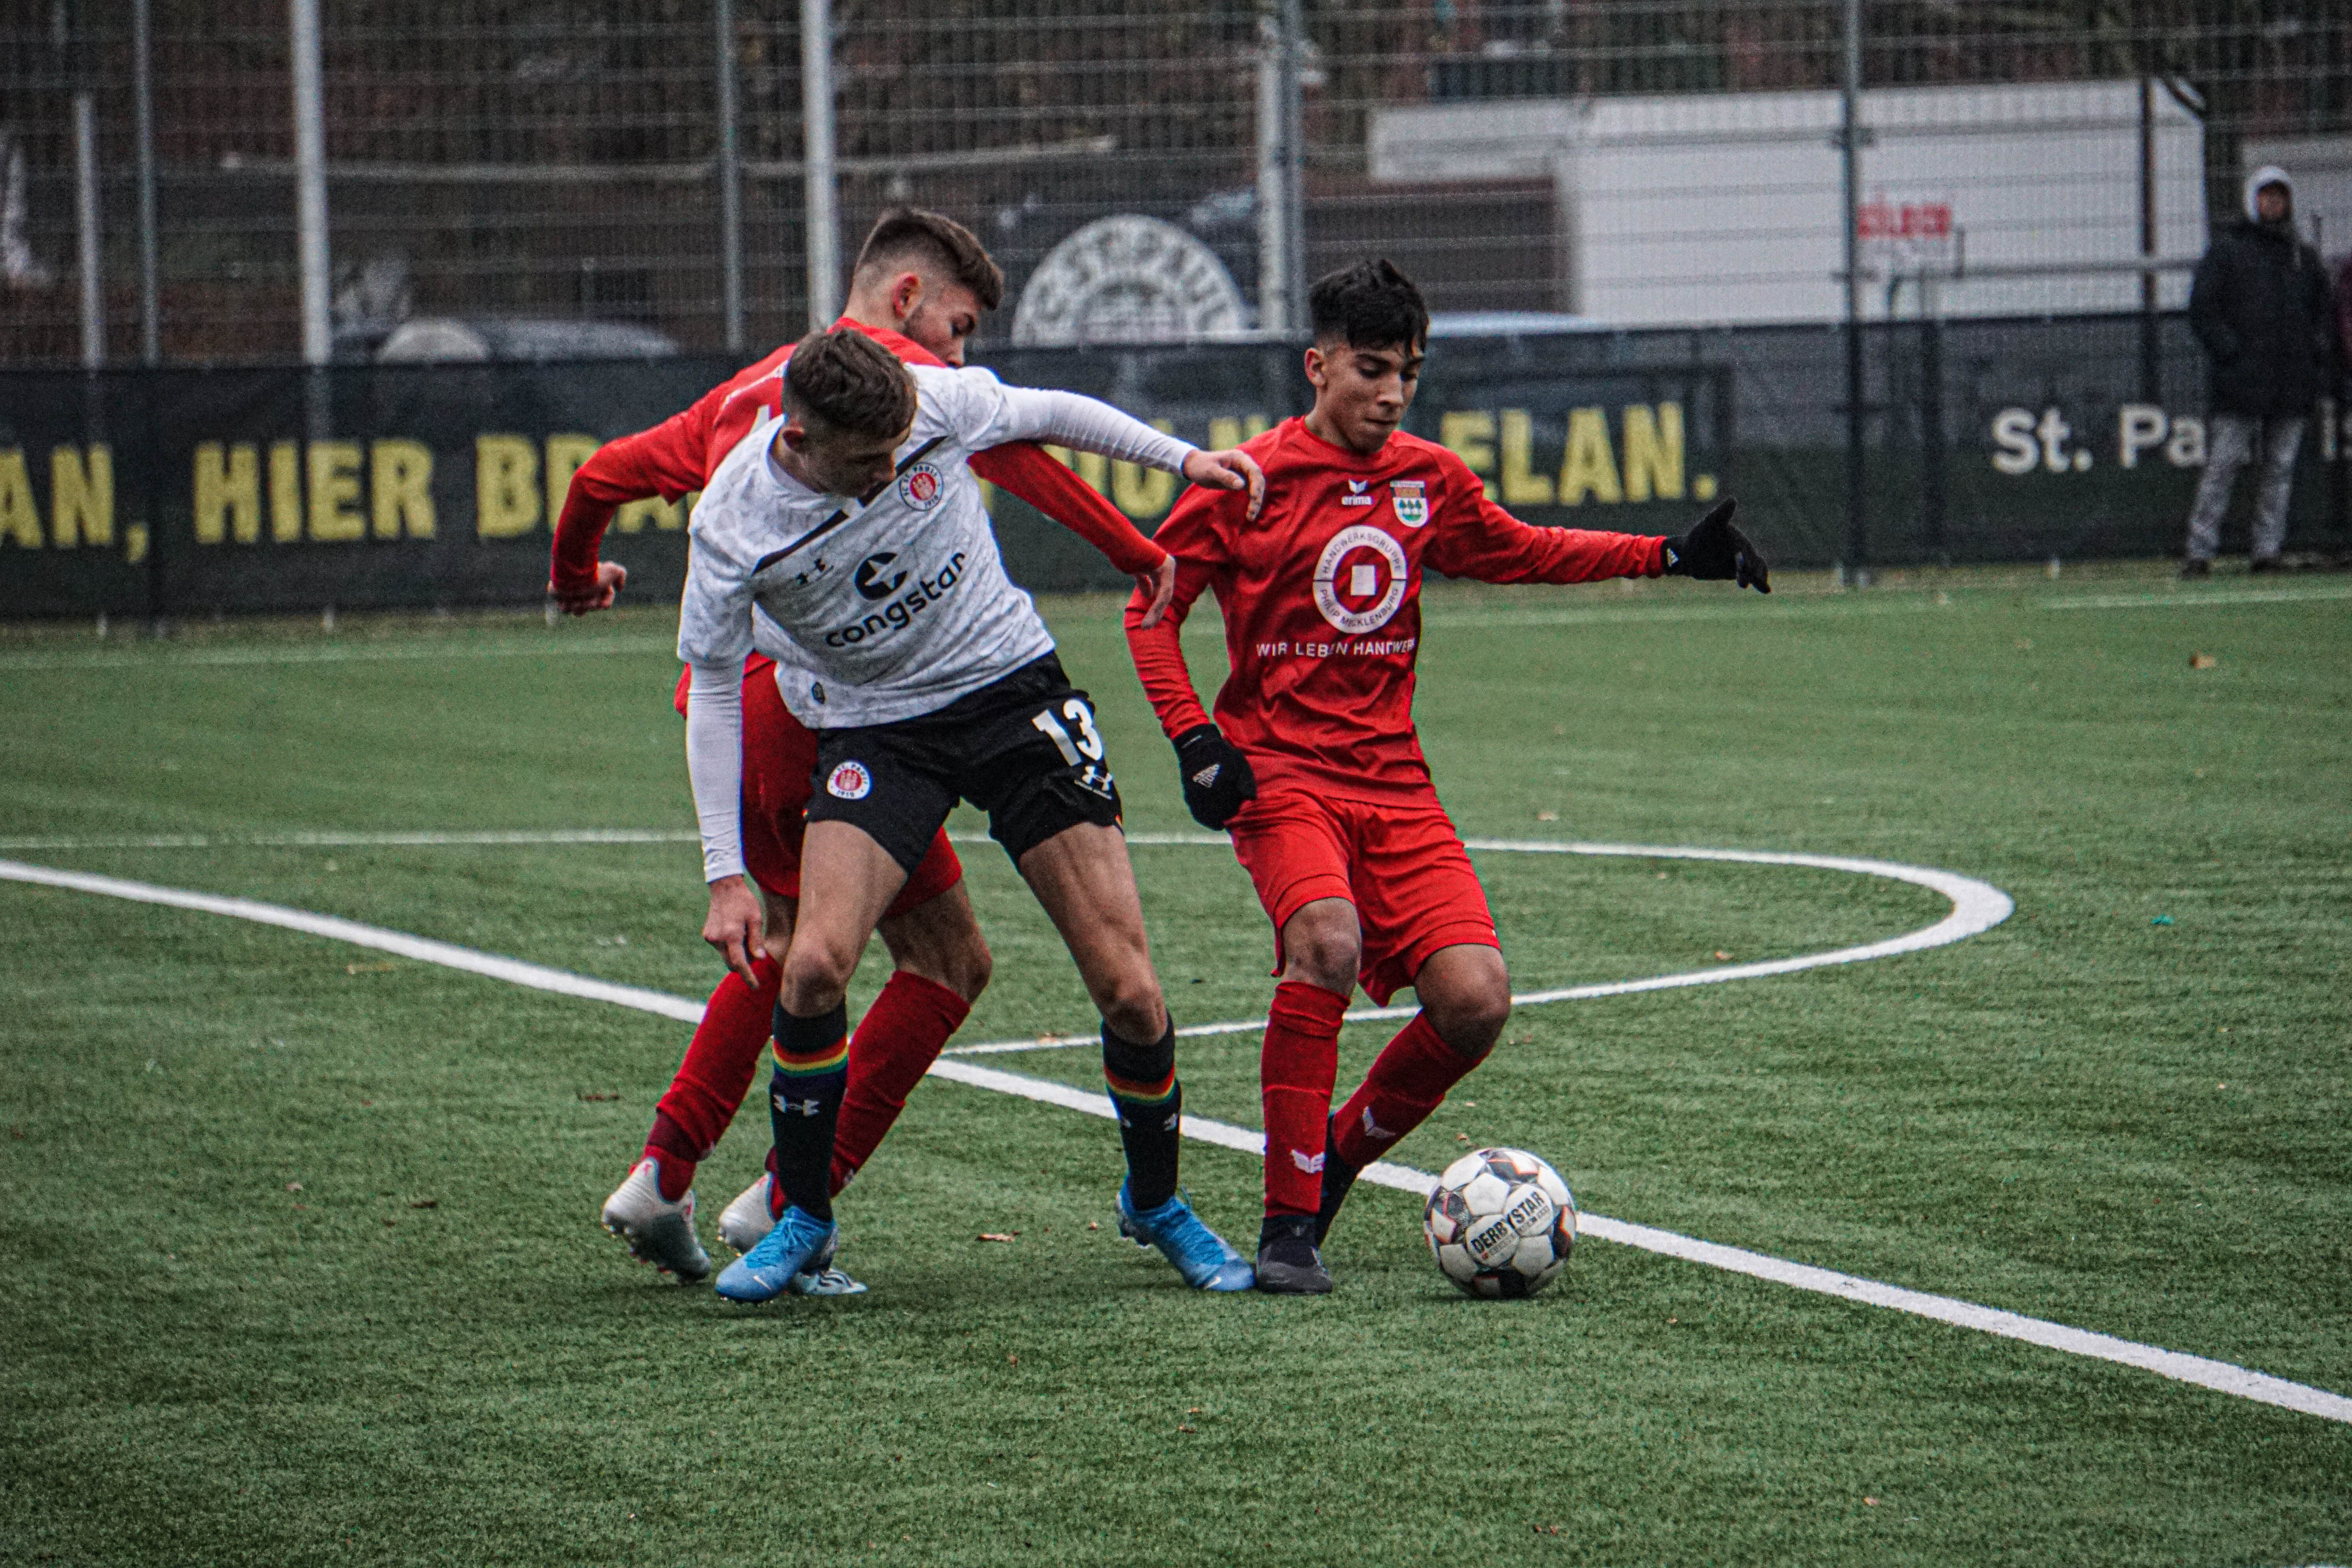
873, 613
896, 608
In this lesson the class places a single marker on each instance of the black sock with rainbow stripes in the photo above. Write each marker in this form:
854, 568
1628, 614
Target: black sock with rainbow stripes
1149, 1100
803, 1102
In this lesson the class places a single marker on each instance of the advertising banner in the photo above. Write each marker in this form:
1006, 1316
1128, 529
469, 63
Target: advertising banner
177, 492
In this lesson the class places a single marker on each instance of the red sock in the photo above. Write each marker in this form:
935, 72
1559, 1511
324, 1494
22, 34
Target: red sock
711, 1082
1408, 1082
1300, 1059
677, 1153
896, 1042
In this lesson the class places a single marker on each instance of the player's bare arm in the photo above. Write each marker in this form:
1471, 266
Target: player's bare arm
586, 598
1230, 469
736, 925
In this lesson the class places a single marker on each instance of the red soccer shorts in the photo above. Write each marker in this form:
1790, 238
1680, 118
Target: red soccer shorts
1400, 863
779, 776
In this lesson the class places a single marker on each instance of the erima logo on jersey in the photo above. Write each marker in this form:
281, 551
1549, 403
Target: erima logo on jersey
899, 613
1410, 501
1357, 495
1313, 1165
875, 579
921, 487
850, 781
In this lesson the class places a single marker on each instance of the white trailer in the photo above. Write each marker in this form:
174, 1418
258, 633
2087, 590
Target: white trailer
1728, 207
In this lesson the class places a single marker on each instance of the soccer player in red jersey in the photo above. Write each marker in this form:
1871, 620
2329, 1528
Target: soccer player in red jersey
919, 288
1311, 762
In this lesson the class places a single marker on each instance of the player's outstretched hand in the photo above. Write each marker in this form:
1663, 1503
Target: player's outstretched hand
585, 598
735, 925
1160, 584
1231, 469
1716, 551
1217, 778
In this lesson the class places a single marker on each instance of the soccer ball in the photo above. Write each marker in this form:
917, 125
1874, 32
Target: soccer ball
1500, 1223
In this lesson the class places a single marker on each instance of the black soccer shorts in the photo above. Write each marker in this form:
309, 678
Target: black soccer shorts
1023, 749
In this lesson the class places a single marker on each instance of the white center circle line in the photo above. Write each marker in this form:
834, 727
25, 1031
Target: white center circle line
2223, 1377
1977, 907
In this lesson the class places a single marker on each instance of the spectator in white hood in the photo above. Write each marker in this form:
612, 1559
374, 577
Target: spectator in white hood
2263, 311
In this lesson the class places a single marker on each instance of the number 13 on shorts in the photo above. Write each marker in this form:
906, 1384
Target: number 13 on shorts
1089, 745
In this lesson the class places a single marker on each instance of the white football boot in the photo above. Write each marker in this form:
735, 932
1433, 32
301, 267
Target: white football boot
745, 1223
658, 1231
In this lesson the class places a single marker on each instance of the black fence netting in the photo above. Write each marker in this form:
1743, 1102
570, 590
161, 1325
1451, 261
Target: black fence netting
176, 492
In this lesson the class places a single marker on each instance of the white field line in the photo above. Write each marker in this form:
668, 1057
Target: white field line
1976, 907
1892, 602
2200, 598
334, 653
424, 950
389, 839
2220, 1376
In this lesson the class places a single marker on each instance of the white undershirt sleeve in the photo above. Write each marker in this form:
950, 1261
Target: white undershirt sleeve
1073, 419
714, 763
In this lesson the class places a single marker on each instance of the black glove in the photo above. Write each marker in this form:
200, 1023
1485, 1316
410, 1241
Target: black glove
1217, 778
1715, 551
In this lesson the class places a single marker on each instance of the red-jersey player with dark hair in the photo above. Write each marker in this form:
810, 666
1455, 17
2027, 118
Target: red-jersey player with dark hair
918, 287
1312, 763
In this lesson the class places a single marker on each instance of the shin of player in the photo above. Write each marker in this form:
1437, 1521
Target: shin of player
1311, 762
927, 677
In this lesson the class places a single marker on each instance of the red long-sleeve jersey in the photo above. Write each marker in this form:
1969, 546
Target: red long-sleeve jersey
1321, 596
678, 456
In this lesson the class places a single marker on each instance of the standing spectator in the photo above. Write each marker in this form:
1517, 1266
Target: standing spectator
2343, 388
2262, 309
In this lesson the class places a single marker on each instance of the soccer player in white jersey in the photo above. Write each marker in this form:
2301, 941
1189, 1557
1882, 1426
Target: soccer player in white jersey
845, 538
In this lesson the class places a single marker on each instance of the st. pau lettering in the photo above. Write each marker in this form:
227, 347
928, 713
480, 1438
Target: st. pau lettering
2030, 441
1644, 459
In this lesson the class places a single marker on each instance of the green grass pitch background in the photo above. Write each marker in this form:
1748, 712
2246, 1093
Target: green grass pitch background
2081, 1115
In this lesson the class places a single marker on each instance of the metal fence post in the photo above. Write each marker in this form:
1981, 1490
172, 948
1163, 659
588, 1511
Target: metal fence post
142, 87
1281, 194
93, 303
1857, 529
1273, 187
1294, 134
730, 182
310, 179
823, 195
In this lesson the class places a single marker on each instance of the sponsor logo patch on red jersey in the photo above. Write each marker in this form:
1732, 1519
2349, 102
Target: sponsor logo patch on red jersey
850, 781
920, 486
1359, 580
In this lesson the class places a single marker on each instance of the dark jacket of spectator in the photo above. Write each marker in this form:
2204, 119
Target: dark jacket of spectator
2264, 313
2344, 316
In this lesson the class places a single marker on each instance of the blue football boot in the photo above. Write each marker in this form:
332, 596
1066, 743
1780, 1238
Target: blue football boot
766, 1271
1200, 1253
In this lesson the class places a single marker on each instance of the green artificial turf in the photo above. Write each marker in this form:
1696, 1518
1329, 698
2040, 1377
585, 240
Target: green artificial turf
301, 1264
